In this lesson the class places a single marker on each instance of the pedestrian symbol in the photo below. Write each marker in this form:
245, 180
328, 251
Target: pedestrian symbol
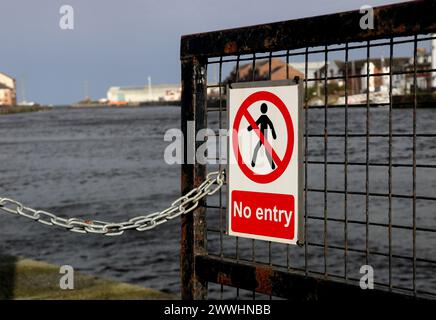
265, 172
263, 123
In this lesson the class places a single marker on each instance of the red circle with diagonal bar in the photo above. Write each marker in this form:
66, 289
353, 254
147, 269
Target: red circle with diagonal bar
281, 164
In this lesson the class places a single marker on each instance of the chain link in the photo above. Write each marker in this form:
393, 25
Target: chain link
183, 205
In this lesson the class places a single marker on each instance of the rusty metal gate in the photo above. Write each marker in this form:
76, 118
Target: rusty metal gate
369, 166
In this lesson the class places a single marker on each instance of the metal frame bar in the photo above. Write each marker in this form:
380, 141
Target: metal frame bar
295, 286
390, 20
193, 242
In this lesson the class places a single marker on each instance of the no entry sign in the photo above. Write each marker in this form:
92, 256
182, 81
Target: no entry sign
265, 170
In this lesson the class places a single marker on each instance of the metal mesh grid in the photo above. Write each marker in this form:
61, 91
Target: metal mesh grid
369, 173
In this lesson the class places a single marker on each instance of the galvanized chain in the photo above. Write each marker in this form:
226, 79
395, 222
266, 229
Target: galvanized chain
214, 181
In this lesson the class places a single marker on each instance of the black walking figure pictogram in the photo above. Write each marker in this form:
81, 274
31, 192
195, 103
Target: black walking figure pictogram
263, 123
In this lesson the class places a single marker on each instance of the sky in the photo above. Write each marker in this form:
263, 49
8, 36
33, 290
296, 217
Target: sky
122, 42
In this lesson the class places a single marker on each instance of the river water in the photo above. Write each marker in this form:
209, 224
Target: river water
108, 164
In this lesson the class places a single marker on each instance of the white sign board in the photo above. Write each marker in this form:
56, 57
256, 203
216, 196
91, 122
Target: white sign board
265, 170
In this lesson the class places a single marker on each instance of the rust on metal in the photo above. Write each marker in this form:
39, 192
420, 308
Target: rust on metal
263, 279
230, 47
223, 279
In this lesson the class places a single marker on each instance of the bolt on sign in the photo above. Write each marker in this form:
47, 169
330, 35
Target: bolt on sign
265, 169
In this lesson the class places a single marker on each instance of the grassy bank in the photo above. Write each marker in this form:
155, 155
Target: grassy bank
29, 279
21, 109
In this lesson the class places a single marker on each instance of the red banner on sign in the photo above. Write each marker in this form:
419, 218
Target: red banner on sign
263, 214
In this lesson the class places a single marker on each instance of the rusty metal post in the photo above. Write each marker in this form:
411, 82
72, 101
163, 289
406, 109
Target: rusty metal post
193, 240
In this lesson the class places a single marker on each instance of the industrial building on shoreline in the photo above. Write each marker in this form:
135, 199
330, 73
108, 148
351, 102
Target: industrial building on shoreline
140, 94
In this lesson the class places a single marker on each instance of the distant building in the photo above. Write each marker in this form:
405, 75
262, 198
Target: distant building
138, 94
358, 70
312, 68
423, 75
262, 71
8, 95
